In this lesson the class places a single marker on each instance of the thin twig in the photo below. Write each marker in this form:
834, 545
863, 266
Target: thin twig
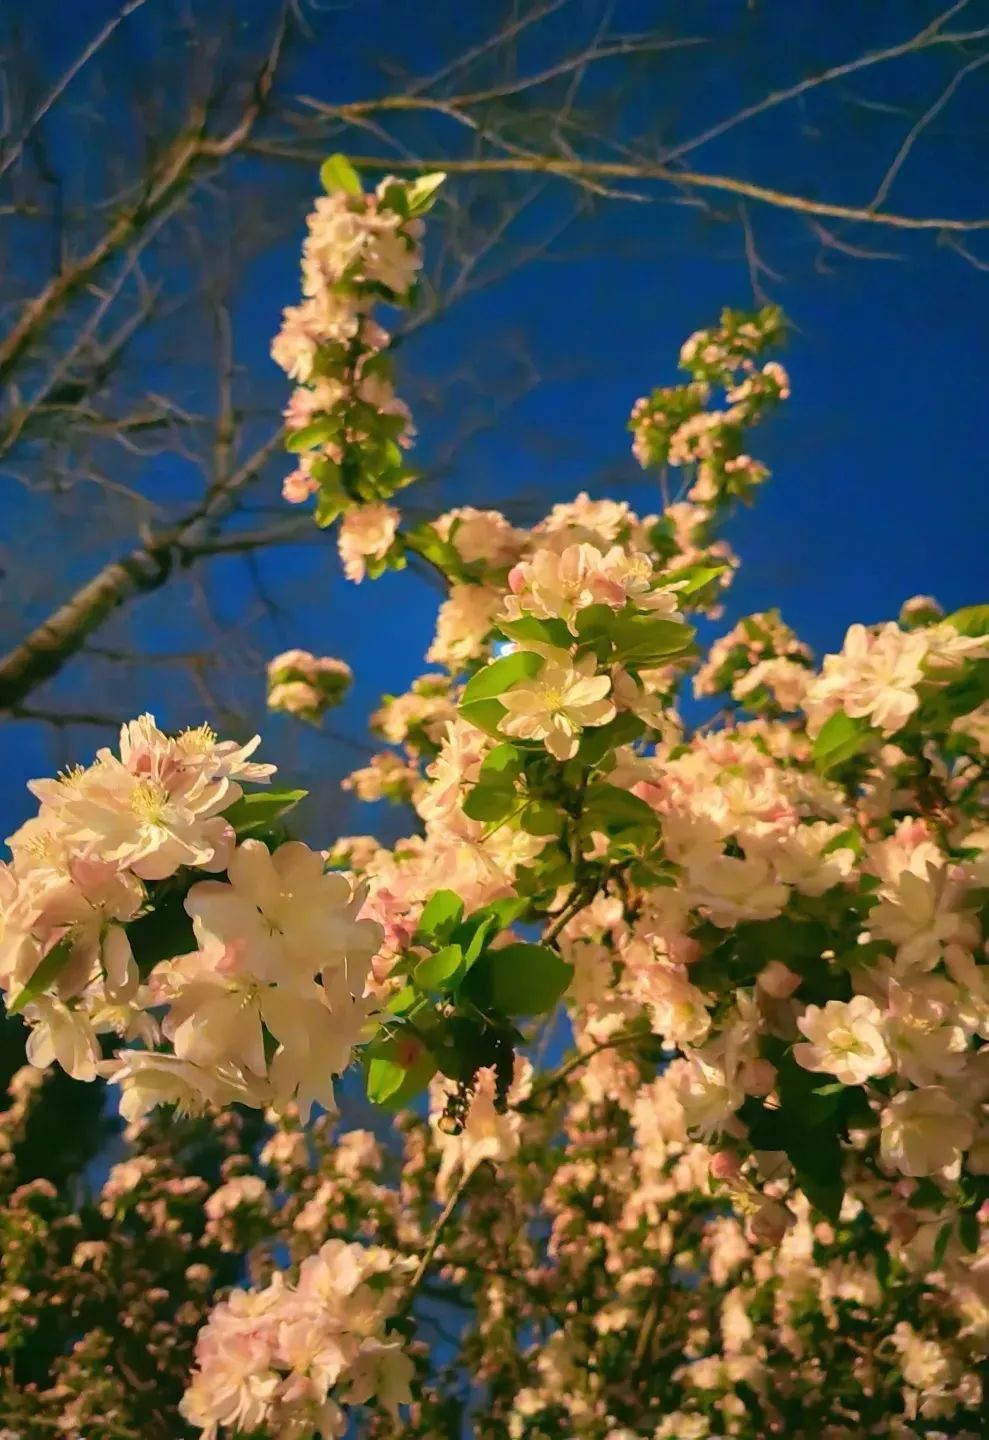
578, 171
552, 1083
66, 80
435, 1236
915, 132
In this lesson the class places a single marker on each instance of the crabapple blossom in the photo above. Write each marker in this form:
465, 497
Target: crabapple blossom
676, 1229
306, 685
558, 703
845, 1040
924, 1131
366, 534
288, 1356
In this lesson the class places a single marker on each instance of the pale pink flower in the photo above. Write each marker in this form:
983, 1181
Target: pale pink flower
366, 533
924, 1131
846, 1040
558, 703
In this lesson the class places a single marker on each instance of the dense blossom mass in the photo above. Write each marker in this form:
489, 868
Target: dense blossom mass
754, 1199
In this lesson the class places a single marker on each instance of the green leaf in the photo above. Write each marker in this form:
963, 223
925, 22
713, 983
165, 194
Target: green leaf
428, 543
337, 173
163, 933
926, 1196
504, 759
941, 1244
541, 818
501, 675
421, 194
490, 802
608, 808
598, 742
542, 632
487, 715
841, 737
489, 926
519, 979
968, 1231
403, 1000
689, 582
440, 971
595, 620
804, 1127
313, 434
398, 1070
329, 508
822, 1183
259, 810
643, 640
47, 971
970, 620
442, 913
504, 913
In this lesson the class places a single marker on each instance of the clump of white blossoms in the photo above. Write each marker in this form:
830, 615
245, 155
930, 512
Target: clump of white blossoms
275, 999
344, 419
80, 872
269, 1006
307, 685
285, 1359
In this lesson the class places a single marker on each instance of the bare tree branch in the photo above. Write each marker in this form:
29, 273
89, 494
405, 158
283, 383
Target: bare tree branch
59, 88
578, 170
921, 124
146, 568
168, 181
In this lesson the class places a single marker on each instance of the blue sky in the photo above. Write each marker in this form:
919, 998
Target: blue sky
878, 460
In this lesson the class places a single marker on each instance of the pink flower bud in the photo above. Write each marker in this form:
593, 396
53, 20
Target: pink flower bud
771, 1222
778, 980
758, 1077
725, 1165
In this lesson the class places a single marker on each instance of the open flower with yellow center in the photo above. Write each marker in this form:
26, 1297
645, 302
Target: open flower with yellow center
557, 704
845, 1040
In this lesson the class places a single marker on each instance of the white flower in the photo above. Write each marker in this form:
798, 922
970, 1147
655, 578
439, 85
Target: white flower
875, 677
922, 914
279, 1359
152, 821
464, 621
147, 1079
708, 1093
366, 533
487, 1134
483, 536
923, 1131
924, 1041
846, 1040
731, 889
63, 1036
558, 703
282, 918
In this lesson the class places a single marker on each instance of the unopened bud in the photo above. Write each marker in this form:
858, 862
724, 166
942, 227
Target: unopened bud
758, 1077
725, 1165
771, 1222
778, 980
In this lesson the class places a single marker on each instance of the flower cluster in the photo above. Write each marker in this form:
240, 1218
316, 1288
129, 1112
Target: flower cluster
753, 1198
761, 663
271, 1005
306, 685
884, 673
267, 1000
80, 872
673, 426
344, 419
286, 1357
